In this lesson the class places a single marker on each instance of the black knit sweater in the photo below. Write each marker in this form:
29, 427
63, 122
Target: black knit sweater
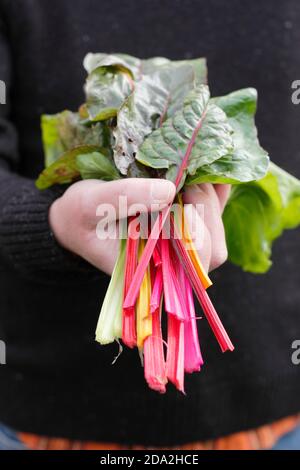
57, 380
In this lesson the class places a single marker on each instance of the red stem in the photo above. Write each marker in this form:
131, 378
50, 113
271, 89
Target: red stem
206, 304
128, 317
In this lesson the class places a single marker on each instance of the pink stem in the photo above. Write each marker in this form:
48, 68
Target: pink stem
156, 256
192, 354
156, 291
154, 360
134, 288
173, 295
208, 308
128, 317
175, 352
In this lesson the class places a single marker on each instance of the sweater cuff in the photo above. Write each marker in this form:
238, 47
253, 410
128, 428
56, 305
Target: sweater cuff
26, 240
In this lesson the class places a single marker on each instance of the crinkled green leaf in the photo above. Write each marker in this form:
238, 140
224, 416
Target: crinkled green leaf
106, 88
93, 61
155, 98
95, 165
249, 161
139, 67
64, 169
256, 214
111, 79
198, 133
65, 130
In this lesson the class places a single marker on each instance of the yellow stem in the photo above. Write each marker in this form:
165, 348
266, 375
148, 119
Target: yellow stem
191, 249
143, 314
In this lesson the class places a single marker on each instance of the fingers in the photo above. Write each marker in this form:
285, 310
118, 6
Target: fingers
128, 196
223, 193
207, 203
101, 253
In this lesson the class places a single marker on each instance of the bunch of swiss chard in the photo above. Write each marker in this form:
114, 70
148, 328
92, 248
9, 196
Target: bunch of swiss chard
156, 118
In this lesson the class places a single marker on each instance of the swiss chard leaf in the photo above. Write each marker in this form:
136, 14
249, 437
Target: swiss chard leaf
196, 135
139, 67
107, 86
256, 214
92, 62
111, 80
95, 165
249, 161
199, 67
289, 189
51, 127
63, 131
154, 99
64, 169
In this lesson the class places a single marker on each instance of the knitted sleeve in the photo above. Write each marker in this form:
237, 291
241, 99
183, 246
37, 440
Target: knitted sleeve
26, 241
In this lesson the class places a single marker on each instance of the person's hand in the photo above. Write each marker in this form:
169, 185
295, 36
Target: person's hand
204, 204
73, 217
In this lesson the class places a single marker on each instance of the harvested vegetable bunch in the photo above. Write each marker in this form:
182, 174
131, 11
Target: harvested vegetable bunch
156, 118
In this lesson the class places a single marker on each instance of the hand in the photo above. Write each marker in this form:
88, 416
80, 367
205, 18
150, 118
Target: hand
73, 218
210, 239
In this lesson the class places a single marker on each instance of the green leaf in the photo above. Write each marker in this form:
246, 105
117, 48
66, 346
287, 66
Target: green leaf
93, 61
198, 134
256, 214
111, 79
52, 143
139, 67
149, 66
155, 98
65, 130
249, 161
64, 169
106, 88
108, 84
199, 67
251, 224
289, 189
95, 165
